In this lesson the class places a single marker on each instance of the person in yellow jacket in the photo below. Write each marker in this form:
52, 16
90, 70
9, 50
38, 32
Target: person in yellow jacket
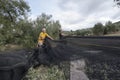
42, 37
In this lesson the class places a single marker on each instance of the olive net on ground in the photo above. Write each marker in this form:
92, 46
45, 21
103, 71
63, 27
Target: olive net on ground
14, 64
102, 63
102, 66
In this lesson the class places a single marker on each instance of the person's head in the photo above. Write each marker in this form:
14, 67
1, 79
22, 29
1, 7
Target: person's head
44, 29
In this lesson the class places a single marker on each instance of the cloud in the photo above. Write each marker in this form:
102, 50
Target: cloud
33, 17
78, 14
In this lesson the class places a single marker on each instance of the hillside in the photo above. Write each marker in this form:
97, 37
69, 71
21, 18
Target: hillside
114, 34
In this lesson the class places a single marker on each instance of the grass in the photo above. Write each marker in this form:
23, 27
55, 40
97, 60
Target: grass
49, 73
10, 47
45, 73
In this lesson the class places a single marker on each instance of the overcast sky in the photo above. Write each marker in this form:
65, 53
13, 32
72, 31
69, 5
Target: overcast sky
76, 14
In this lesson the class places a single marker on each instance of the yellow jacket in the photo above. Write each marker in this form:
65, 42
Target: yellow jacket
42, 36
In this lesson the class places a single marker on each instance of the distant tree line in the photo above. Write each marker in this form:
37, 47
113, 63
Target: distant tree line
99, 29
16, 28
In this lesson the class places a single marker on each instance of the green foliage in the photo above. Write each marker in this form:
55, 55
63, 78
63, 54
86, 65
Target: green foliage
2, 39
25, 32
84, 32
12, 13
105, 31
53, 29
45, 73
16, 28
117, 2
110, 27
12, 10
98, 29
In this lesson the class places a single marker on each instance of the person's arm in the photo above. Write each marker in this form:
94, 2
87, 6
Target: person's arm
49, 37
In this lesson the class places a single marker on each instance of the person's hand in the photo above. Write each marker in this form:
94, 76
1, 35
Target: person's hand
51, 38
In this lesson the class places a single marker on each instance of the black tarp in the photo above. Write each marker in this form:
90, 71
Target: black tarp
14, 65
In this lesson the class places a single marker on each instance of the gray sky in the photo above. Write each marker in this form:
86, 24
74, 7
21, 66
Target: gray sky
76, 14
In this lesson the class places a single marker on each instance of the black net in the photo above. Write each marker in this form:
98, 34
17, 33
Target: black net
101, 56
14, 65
